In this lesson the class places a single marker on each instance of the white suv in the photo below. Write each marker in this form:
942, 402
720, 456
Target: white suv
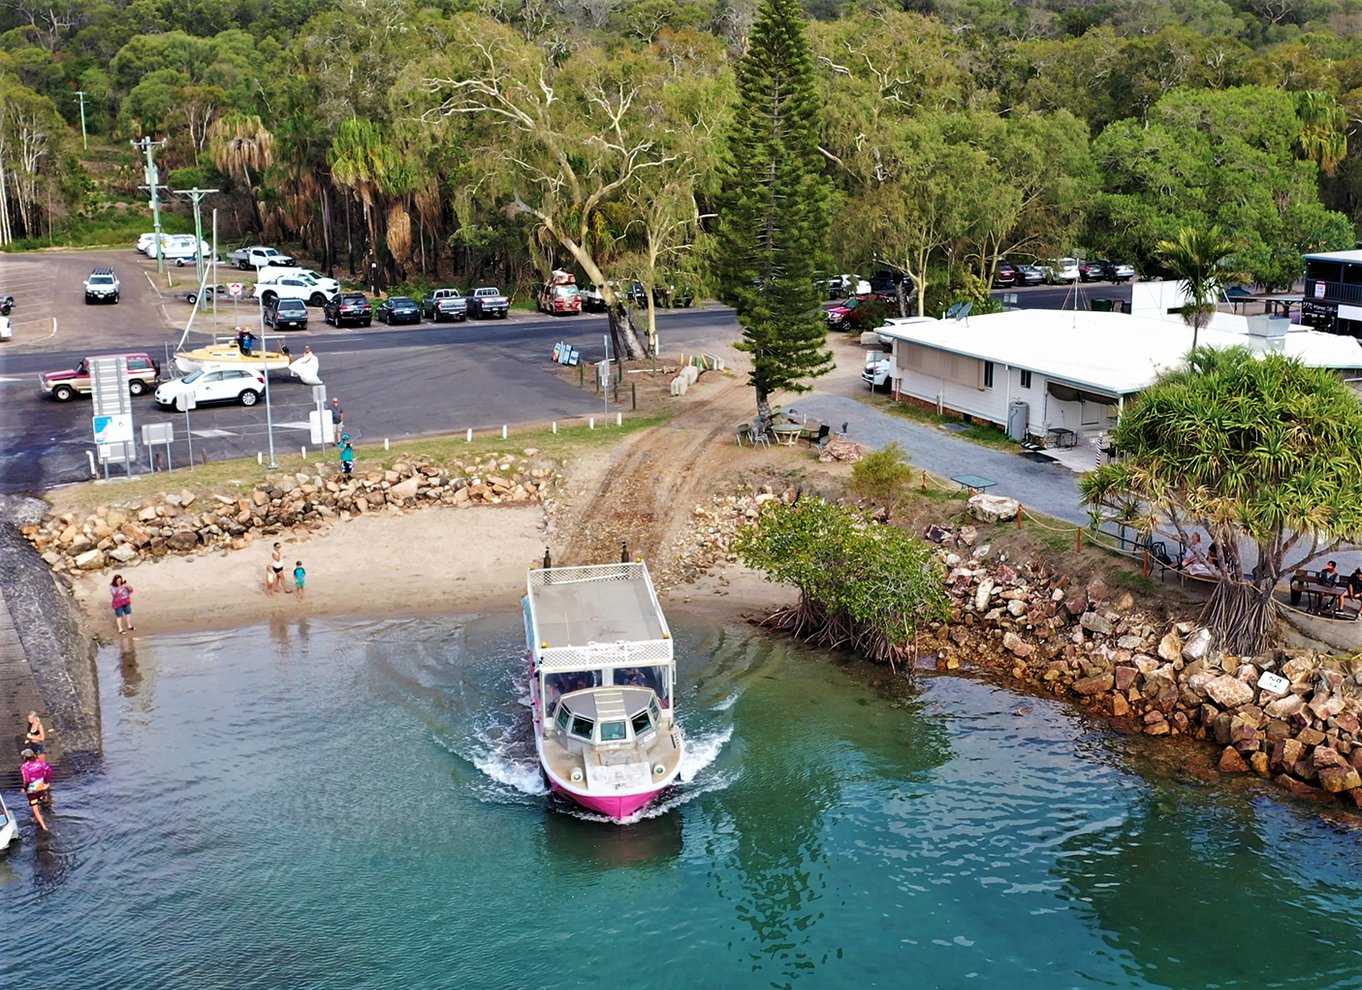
101, 286
244, 385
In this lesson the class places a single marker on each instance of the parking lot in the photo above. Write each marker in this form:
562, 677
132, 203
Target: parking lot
397, 382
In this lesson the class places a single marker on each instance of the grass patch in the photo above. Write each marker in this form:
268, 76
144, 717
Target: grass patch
111, 225
236, 478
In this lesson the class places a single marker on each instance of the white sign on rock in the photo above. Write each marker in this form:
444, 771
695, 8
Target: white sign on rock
1275, 683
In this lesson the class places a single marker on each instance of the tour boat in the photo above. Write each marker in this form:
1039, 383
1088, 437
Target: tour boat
8, 828
602, 686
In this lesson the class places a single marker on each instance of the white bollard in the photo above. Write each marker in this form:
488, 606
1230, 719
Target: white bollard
555, 427
304, 449
385, 443
503, 431
619, 419
259, 457
470, 435
591, 423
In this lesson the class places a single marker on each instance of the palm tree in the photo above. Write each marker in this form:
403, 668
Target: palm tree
1197, 260
1323, 137
240, 143
360, 160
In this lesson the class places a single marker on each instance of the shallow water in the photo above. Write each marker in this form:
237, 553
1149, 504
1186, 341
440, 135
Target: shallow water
355, 804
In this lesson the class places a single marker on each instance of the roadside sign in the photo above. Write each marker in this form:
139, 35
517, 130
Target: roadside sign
234, 289
112, 429
323, 430
185, 401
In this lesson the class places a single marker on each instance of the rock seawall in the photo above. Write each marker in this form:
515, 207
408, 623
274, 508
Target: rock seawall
185, 522
59, 649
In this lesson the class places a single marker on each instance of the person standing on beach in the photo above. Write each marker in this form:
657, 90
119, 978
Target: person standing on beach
35, 736
299, 578
121, 593
37, 777
274, 570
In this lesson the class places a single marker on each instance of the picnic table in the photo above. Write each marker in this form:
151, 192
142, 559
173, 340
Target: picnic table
787, 433
1318, 595
973, 483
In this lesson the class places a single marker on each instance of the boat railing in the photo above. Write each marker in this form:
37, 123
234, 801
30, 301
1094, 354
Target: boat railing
636, 653
540, 577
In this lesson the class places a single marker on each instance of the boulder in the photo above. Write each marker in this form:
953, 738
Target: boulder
1170, 647
1096, 622
1017, 646
90, 560
993, 508
404, 490
1197, 646
1097, 684
1229, 692
982, 593
1231, 761
1336, 780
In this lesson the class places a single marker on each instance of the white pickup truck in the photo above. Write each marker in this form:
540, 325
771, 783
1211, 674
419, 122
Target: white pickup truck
295, 286
257, 256
271, 274
488, 301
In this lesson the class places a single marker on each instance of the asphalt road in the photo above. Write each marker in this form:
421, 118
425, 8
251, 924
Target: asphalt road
396, 382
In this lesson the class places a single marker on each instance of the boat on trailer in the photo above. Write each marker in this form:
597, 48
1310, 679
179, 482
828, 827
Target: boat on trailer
602, 686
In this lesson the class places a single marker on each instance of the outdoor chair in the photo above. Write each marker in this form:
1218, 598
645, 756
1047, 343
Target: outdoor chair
744, 432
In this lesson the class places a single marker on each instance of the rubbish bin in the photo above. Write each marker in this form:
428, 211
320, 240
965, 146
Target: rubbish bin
1100, 304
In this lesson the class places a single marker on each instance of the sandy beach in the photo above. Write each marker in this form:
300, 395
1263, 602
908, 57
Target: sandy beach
430, 560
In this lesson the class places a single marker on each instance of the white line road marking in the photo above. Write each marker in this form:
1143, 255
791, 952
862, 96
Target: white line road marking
212, 433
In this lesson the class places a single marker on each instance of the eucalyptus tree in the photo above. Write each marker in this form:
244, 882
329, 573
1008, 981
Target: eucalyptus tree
556, 139
1197, 258
773, 216
1260, 451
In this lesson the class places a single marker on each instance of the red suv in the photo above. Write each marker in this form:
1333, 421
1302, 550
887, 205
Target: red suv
1006, 275
143, 373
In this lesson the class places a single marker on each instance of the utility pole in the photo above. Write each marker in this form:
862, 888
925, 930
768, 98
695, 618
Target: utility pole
84, 140
153, 186
195, 196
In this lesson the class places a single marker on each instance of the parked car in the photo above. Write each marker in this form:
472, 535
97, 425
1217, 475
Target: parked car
1106, 270
488, 301
444, 304
257, 256
296, 286
6, 328
102, 286
243, 385
1061, 271
593, 300
348, 307
1006, 275
272, 273
143, 373
6, 304
859, 313
398, 309
285, 314
560, 295
1031, 274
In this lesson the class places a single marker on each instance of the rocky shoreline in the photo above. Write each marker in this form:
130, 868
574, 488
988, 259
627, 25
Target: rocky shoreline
1093, 646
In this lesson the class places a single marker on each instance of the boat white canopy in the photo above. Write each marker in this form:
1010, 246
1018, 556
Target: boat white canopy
602, 615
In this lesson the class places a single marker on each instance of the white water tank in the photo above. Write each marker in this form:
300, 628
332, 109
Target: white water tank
1018, 414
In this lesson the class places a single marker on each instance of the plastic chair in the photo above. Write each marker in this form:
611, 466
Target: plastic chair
744, 432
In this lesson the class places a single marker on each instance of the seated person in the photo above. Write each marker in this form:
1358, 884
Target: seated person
1329, 576
1354, 592
1194, 560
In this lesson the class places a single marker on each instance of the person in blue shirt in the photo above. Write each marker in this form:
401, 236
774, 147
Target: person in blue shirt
347, 458
299, 578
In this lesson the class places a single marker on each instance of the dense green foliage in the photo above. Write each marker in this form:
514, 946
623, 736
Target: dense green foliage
772, 238
882, 477
862, 586
1261, 452
952, 133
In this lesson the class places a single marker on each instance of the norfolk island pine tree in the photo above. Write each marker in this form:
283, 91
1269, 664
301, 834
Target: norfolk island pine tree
773, 216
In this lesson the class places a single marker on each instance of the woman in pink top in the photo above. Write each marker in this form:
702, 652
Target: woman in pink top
37, 777
122, 603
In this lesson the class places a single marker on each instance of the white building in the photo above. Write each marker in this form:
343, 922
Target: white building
1034, 371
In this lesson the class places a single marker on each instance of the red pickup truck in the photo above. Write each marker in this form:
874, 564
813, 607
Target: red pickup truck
143, 373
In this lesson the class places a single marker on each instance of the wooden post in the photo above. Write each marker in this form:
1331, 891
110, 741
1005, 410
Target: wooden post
1019, 515
1078, 540
924, 481
1146, 561
633, 396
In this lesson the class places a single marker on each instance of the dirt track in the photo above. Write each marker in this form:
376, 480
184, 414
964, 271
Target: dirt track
654, 480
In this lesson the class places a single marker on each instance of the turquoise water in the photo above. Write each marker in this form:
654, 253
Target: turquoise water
355, 805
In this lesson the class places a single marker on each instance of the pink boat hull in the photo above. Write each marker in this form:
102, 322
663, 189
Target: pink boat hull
618, 807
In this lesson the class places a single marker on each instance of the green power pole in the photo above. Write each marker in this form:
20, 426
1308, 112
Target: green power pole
195, 196
84, 139
154, 186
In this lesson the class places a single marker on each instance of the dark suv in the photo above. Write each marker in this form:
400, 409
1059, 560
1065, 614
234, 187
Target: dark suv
348, 307
1006, 275
285, 314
